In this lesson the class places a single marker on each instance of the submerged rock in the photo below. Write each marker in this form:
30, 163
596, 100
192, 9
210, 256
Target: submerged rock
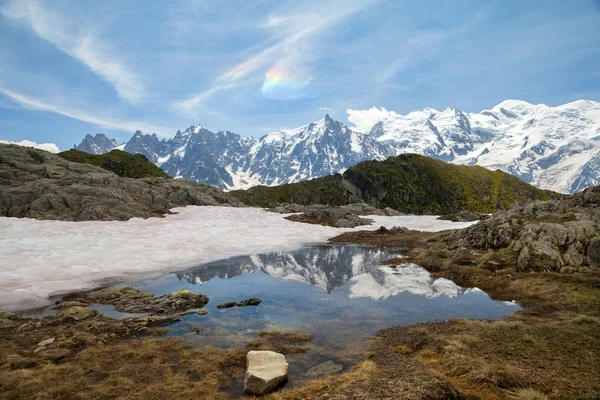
203, 311
323, 369
265, 370
153, 320
227, 304
249, 302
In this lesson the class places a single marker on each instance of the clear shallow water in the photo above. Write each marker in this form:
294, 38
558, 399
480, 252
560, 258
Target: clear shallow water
340, 294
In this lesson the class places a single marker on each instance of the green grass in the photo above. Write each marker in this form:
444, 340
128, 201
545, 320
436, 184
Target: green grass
124, 164
409, 183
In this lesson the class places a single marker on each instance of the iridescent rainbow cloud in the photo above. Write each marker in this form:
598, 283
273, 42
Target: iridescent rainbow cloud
282, 83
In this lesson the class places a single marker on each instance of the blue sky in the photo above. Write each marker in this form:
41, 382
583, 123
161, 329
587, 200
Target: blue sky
68, 68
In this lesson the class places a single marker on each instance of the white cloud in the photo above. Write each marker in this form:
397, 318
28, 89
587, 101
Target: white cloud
191, 105
325, 109
50, 147
363, 120
83, 46
103, 122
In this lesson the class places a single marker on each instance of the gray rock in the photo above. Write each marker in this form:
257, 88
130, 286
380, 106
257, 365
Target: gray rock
593, 252
523, 260
265, 370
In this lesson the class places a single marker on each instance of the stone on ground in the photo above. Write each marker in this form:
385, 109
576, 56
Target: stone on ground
265, 370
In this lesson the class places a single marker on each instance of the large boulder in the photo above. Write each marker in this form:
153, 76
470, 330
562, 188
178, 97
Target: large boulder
265, 370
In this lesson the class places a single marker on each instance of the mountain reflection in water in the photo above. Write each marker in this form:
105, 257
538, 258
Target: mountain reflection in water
330, 267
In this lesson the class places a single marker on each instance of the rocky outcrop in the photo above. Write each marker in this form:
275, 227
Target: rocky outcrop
346, 216
337, 217
354, 208
556, 235
130, 300
265, 370
38, 184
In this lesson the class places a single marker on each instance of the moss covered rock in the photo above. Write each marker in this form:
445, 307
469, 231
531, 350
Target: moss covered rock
75, 314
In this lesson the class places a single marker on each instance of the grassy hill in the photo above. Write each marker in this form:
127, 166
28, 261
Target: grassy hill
409, 183
124, 164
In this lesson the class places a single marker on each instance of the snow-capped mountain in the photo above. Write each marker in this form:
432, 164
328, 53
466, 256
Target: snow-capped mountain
321, 148
98, 144
549, 147
229, 161
555, 148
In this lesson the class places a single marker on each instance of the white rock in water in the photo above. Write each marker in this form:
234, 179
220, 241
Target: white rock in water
265, 370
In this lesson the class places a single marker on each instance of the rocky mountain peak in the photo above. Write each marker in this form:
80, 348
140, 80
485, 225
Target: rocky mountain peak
550, 147
98, 144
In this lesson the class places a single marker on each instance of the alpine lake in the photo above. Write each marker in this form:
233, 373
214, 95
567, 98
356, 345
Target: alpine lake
340, 294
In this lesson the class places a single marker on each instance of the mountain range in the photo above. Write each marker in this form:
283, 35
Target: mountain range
556, 148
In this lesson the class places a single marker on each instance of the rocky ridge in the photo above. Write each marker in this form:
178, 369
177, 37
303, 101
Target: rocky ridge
38, 184
555, 235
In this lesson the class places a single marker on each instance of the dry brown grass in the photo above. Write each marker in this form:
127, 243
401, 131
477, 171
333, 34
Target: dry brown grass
557, 357
527, 394
385, 375
132, 369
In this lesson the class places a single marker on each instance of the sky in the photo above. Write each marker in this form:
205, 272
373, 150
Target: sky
69, 68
